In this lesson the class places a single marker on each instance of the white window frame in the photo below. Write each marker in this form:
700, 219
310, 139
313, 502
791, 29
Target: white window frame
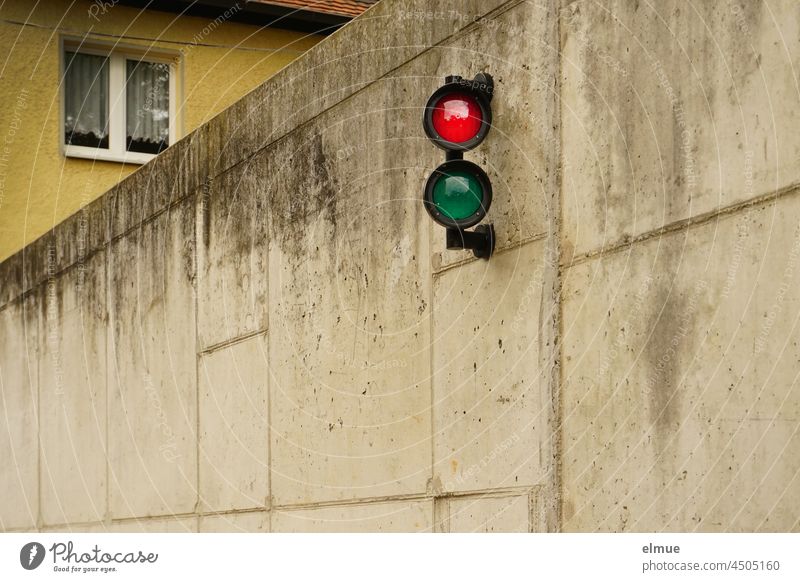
117, 112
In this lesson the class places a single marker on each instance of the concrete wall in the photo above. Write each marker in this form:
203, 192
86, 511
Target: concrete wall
217, 63
261, 330
681, 232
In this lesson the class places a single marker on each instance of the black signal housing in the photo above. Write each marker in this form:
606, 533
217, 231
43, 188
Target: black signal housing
458, 194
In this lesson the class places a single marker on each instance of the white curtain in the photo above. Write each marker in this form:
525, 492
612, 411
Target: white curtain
147, 117
86, 100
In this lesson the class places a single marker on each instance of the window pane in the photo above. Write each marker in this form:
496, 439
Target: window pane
147, 107
86, 100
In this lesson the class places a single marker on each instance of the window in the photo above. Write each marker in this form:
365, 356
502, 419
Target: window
118, 106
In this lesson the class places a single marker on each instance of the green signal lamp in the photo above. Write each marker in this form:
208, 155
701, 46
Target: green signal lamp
458, 194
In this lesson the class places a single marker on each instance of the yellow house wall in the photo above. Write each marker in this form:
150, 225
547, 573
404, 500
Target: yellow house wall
39, 186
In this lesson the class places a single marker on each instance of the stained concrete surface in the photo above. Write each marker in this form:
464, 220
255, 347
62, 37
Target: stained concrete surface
261, 329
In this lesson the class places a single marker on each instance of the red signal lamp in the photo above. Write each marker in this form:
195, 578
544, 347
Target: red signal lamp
458, 115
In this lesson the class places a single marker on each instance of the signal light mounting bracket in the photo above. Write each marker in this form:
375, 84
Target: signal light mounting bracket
480, 241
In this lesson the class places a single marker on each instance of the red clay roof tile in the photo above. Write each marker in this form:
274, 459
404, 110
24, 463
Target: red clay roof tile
341, 7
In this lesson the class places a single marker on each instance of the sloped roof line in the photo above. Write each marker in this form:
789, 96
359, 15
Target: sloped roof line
350, 8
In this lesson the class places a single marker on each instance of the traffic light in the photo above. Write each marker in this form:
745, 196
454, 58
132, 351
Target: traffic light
458, 193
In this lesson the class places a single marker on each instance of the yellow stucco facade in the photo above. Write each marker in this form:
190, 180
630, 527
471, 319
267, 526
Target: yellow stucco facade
216, 63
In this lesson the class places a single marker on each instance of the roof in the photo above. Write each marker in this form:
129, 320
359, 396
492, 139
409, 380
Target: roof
350, 8
316, 16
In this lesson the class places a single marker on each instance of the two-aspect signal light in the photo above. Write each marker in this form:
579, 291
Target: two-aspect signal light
458, 193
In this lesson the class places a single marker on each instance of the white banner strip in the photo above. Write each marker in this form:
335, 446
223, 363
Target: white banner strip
400, 557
